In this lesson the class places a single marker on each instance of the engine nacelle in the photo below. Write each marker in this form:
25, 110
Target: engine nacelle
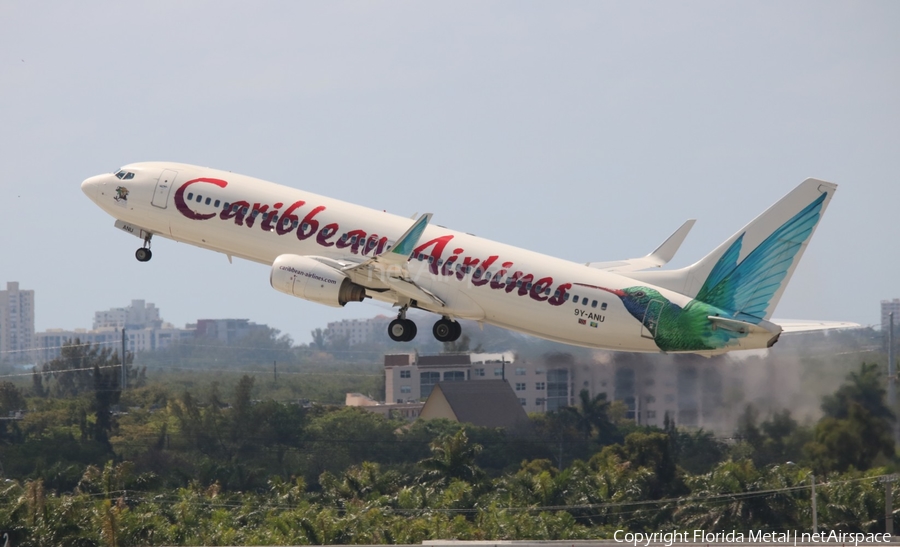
309, 279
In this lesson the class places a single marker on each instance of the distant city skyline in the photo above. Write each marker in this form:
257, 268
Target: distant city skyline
143, 315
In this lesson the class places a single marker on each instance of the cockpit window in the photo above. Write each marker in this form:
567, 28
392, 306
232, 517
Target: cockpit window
124, 175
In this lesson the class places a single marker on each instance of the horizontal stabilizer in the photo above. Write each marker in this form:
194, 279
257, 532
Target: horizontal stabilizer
800, 325
661, 256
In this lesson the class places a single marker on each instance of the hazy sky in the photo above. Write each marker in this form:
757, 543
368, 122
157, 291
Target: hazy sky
585, 130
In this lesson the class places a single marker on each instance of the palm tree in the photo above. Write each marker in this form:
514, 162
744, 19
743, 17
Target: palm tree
591, 414
452, 457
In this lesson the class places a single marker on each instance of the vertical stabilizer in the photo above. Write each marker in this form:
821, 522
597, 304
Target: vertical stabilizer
747, 274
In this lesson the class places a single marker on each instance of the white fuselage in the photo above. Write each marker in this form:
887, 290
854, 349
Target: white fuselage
188, 204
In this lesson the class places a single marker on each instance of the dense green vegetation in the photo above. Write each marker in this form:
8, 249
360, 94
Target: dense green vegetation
246, 459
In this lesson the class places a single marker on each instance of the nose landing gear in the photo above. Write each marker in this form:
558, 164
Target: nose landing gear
144, 253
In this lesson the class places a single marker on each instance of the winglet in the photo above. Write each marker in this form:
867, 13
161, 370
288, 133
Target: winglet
661, 256
664, 253
404, 246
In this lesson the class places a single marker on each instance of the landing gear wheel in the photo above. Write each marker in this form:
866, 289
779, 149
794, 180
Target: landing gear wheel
143, 254
402, 330
446, 330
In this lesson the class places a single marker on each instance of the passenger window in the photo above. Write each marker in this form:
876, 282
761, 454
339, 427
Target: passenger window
216, 204
584, 301
190, 195
208, 200
296, 222
547, 291
199, 197
594, 304
528, 287
555, 294
304, 226
603, 306
575, 299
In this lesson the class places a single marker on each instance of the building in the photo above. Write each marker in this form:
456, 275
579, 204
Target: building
358, 331
16, 324
227, 331
144, 331
138, 315
49, 342
688, 390
407, 411
489, 403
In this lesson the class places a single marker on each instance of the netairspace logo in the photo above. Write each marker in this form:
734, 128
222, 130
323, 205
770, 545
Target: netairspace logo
668, 539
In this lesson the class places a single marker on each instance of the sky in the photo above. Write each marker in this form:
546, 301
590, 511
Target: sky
583, 130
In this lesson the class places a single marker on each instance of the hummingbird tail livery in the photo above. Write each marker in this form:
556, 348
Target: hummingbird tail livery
748, 273
330, 252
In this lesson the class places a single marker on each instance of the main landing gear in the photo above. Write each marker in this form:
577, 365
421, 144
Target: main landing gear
144, 253
446, 330
404, 330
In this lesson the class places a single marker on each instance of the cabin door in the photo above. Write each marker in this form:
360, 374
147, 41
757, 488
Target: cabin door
651, 318
163, 187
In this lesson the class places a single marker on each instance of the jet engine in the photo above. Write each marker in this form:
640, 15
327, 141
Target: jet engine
307, 278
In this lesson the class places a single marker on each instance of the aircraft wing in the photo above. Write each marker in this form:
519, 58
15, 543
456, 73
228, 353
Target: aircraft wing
656, 259
390, 269
800, 325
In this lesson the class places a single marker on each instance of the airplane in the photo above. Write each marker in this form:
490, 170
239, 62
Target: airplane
333, 253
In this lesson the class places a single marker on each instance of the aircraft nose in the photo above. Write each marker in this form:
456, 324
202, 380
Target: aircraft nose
91, 186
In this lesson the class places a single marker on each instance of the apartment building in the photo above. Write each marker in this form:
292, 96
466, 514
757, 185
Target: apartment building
358, 331
689, 390
16, 324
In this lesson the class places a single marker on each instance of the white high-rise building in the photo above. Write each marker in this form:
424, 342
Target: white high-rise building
144, 331
139, 315
358, 331
16, 324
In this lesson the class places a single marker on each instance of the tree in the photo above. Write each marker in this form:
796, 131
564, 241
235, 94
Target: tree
318, 339
73, 372
857, 425
865, 388
11, 398
452, 457
593, 414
